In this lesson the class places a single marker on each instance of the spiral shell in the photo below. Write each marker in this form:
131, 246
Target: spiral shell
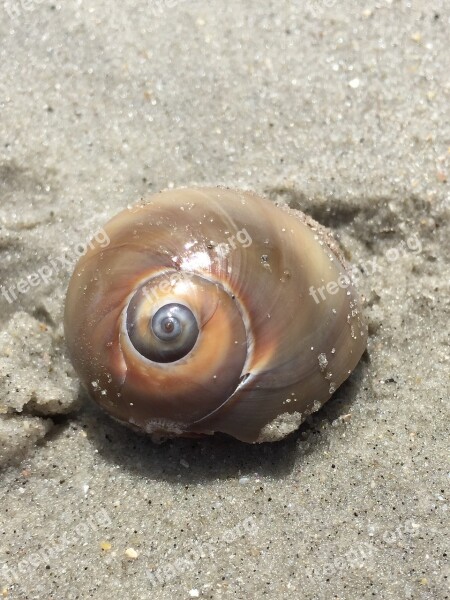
206, 313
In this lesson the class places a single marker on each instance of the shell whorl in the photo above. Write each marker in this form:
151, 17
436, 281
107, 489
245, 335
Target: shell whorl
245, 269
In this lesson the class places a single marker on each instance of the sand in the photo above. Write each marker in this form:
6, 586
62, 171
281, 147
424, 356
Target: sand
337, 108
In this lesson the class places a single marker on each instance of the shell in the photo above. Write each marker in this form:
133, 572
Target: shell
258, 321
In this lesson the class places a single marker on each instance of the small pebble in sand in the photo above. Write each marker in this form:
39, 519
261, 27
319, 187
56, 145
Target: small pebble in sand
105, 546
131, 553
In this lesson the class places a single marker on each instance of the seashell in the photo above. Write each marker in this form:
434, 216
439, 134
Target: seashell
213, 310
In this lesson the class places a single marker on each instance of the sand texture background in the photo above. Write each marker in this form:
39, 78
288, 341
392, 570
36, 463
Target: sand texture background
339, 108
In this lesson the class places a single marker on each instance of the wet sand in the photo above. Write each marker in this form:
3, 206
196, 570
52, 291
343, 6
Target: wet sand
337, 108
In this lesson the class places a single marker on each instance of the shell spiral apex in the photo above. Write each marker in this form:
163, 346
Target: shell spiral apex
213, 310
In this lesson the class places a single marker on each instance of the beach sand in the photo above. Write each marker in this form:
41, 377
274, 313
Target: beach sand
340, 109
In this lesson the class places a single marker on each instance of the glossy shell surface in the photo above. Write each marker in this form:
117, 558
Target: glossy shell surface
259, 342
